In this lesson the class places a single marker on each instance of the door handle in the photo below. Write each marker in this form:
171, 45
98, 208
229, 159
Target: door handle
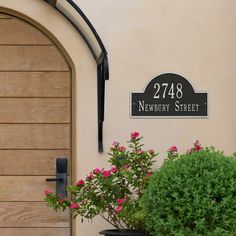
61, 176
54, 179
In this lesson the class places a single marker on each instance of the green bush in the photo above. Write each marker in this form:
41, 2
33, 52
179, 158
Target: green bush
193, 194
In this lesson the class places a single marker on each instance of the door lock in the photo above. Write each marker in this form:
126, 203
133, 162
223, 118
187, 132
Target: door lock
61, 176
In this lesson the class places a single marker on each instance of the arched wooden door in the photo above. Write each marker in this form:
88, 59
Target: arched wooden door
35, 128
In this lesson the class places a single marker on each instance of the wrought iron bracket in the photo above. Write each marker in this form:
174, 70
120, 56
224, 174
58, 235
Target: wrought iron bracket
101, 60
102, 75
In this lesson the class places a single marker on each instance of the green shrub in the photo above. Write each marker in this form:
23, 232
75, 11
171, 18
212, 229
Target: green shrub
193, 194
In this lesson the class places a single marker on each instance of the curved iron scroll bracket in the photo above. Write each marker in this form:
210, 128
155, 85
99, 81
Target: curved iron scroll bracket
101, 60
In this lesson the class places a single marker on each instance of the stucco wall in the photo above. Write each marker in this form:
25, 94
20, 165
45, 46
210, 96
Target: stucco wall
145, 38
192, 38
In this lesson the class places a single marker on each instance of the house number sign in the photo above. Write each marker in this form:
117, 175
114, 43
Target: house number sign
169, 95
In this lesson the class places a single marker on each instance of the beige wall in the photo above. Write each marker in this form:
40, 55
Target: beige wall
192, 38
145, 38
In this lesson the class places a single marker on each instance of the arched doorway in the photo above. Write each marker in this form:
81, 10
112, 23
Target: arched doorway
35, 128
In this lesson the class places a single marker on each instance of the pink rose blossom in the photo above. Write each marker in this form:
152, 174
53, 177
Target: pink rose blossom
121, 201
140, 151
198, 148
118, 209
90, 175
173, 149
74, 205
106, 173
114, 169
97, 171
197, 143
47, 192
60, 201
115, 143
80, 182
122, 149
134, 135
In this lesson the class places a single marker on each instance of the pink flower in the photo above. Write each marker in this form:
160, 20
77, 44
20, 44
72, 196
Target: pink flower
198, 148
134, 135
106, 173
114, 169
121, 201
118, 209
80, 182
122, 149
149, 173
140, 151
115, 143
97, 171
74, 205
197, 143
60, 201
90, 175
173, 149
47, 192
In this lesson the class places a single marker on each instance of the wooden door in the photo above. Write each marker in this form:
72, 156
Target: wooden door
35, 128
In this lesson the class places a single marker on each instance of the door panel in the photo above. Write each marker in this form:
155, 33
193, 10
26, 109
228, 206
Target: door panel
35, 136
23, 188
17, 32
35, 128
43, 110
31, 58
35, 231
39, 84
30, 162
31, 214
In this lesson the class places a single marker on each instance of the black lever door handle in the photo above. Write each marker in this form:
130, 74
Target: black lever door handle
61, 176
54, 179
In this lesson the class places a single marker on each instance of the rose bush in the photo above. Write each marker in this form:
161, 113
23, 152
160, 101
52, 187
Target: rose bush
114, 193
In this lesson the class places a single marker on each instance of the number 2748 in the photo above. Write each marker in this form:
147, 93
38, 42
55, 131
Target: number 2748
168, 90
